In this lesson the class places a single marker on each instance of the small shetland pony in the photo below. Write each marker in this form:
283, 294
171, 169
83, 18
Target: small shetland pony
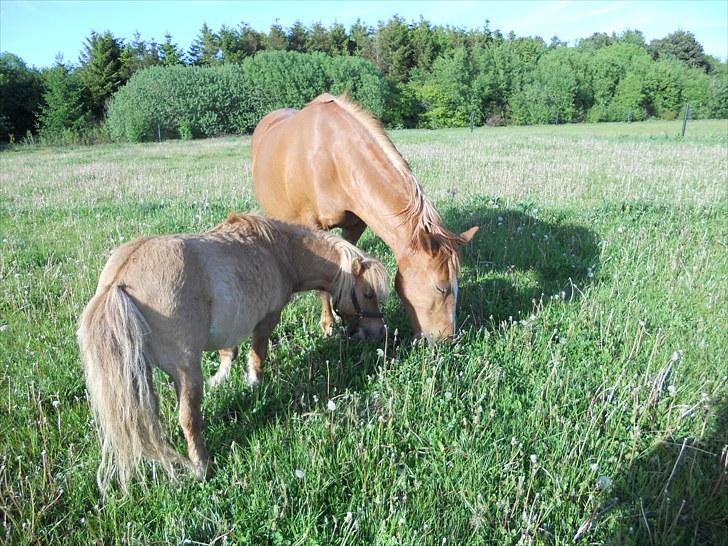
163, 300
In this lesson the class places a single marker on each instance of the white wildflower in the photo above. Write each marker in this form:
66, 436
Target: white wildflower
3, 328
331, 405
671, 390
56, 403
300, 474
603, 482
380, 353
533, 458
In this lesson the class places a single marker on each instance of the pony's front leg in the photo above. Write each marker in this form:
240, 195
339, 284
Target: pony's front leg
327, 315
189, 385
226, 361
259, 348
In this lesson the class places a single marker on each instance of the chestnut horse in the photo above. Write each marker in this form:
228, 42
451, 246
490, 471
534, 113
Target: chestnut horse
163, 300
332, 165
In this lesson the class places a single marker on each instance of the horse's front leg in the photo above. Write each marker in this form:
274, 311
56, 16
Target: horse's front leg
259, 347
189, 383
327, 314
226, 361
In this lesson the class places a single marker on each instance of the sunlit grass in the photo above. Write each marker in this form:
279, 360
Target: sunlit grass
585, 399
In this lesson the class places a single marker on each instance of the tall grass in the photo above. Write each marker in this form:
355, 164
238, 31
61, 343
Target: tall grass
585, 399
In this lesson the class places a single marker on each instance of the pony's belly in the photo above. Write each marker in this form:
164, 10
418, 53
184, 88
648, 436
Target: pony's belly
229, 332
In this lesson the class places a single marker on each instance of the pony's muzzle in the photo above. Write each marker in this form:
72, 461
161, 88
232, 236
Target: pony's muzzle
363, 332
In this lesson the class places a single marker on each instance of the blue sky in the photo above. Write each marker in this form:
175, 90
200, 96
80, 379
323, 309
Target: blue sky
37, 30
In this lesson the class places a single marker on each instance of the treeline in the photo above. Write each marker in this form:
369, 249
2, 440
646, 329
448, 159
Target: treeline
410, 74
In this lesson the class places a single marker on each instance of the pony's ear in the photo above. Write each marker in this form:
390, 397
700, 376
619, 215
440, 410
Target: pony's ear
357, 266
466, 236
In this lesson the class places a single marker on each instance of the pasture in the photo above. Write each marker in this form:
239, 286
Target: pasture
585, 399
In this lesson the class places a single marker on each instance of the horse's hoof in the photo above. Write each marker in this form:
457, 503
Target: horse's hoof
327, 328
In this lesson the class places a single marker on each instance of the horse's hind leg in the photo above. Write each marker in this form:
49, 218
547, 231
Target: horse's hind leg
226, 361
189, 383
259, 347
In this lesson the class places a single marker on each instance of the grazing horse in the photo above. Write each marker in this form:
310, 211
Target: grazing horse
163, 300
332, 165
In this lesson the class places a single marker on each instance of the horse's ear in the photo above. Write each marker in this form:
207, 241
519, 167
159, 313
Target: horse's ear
466, 236
357, 266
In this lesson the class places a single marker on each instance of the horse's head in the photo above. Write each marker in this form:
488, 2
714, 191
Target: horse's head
427, 284
359, 306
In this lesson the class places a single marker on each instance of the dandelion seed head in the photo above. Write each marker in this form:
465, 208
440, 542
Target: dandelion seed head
603, 483
300, 474
331, 405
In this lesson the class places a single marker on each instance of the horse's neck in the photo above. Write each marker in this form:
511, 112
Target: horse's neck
379, 199
315, 262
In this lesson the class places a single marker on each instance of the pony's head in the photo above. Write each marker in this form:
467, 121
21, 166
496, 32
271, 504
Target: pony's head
357, 294
427, 283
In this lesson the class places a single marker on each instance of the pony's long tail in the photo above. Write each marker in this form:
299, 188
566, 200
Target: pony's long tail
119, 382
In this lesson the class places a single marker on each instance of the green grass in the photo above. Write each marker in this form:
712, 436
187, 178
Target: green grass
587, 394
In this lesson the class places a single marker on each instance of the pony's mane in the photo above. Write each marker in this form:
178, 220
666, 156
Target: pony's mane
344, 281
247, 225
254, 225
419, 215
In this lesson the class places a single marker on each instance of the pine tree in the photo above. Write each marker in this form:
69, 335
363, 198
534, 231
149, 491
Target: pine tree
205, 50
63, 99
170, 53
276, 38
297, 37
100, 70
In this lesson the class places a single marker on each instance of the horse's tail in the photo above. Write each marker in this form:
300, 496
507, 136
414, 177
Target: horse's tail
119, 383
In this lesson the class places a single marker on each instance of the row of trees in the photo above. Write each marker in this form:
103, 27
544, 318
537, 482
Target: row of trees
428, 75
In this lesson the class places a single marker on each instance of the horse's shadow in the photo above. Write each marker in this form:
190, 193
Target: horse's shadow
517, 262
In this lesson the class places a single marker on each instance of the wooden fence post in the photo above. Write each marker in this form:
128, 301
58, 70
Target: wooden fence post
685, 120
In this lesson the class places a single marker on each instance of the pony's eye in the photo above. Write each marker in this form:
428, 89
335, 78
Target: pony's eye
444, 290
369, 295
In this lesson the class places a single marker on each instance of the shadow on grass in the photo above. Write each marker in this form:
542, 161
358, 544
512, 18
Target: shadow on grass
516, 261
331, 366
677, 493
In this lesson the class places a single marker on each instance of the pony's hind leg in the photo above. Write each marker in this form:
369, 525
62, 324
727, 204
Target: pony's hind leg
189, 383
259, 347
226, 361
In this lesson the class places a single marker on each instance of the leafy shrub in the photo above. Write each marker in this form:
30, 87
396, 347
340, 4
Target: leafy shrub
191, 102
184, 102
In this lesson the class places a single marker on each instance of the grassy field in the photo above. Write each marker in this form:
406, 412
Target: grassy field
585, 400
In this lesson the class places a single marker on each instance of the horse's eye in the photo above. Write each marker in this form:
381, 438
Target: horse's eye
444, 290
369, 295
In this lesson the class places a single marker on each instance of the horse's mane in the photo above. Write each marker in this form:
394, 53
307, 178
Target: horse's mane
344, 281
419, 215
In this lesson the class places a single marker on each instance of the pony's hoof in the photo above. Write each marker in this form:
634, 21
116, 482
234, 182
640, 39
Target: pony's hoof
254, 379
203, 470
217, 379
327, 328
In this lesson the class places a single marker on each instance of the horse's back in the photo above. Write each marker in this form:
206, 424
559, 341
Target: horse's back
297, 164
